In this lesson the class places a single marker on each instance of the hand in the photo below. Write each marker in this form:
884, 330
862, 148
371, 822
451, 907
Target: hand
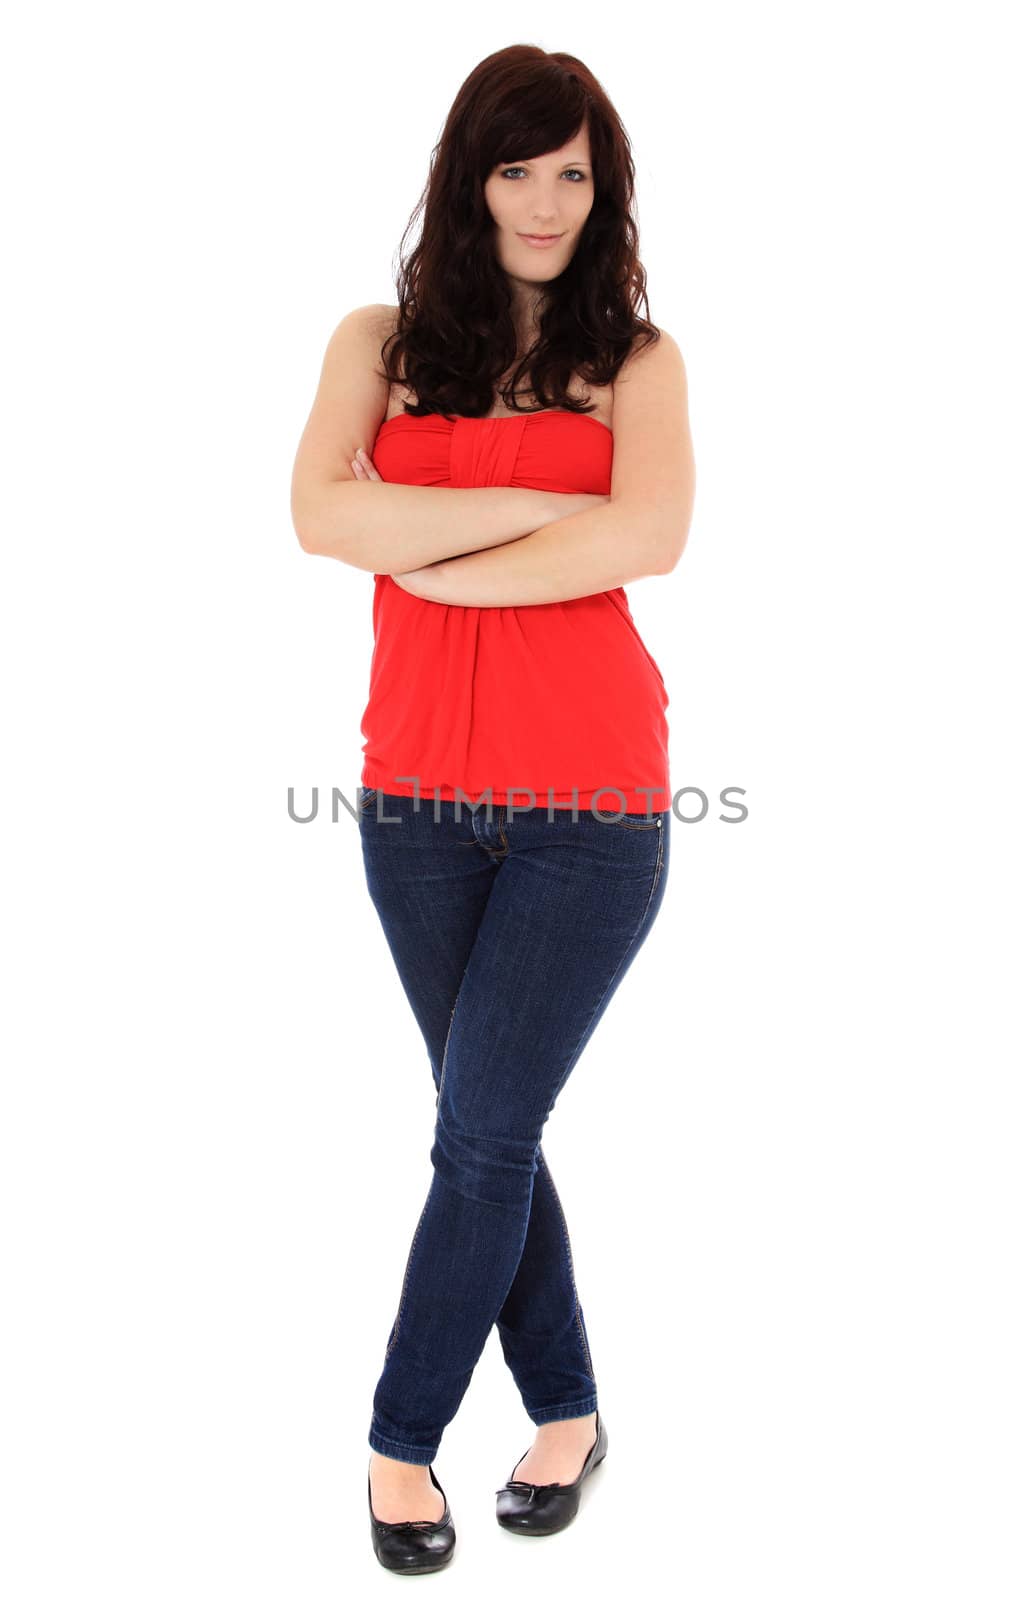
415, 582
362, 466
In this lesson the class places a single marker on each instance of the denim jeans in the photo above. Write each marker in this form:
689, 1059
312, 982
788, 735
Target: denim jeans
510, 934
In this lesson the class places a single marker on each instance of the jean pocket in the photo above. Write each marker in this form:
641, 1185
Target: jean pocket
630, 819
366, 797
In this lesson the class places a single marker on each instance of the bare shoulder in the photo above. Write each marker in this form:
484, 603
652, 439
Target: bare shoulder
653, 363
365, 328
652, 384
381, 323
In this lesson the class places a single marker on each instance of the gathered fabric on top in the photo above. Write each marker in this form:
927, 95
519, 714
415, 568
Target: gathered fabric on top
556, 704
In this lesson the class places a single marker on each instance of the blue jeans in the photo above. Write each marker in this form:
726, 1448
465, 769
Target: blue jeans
510, 934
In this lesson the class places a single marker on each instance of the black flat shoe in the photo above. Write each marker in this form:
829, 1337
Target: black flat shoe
546, 1507
414, 1546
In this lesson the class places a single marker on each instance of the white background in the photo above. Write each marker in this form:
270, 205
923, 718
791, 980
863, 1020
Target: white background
793, 1155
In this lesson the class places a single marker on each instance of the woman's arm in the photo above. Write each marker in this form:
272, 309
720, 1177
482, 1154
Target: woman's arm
397, 527
640, 531
583, 554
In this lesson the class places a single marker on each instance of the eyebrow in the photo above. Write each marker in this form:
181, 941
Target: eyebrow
575, 161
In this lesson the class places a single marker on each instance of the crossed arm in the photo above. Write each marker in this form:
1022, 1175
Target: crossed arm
640, 531
578, 555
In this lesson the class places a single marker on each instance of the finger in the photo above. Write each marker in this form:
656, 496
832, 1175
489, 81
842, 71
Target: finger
368, 465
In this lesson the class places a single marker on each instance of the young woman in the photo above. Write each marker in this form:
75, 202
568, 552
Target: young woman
504, 450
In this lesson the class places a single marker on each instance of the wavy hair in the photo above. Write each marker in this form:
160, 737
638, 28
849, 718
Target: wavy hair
455, 335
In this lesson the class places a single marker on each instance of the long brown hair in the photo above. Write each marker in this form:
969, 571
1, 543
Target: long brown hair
455, 334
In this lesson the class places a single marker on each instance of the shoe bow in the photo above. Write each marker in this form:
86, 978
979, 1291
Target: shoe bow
527, 1490
425, 1522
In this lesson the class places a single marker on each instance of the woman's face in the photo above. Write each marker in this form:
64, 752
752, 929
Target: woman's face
550, 194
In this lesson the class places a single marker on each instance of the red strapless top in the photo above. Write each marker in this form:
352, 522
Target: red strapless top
562, 697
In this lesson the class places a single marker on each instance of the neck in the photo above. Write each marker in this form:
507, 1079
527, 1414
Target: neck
527, 304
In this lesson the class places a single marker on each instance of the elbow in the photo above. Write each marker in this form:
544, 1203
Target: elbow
318, 522
661, 549
671, 553
305, 524
315, 538
315, 542
312, 546
661, 562
672, 530
304, 537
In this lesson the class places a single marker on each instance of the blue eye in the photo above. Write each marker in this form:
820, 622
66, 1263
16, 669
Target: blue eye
578, 174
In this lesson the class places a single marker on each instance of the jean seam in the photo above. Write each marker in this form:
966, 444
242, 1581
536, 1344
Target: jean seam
657, 871
399, 1444
446, 1046
620, 966
410, 1253
571, 1270
406, 1275
539, 1414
